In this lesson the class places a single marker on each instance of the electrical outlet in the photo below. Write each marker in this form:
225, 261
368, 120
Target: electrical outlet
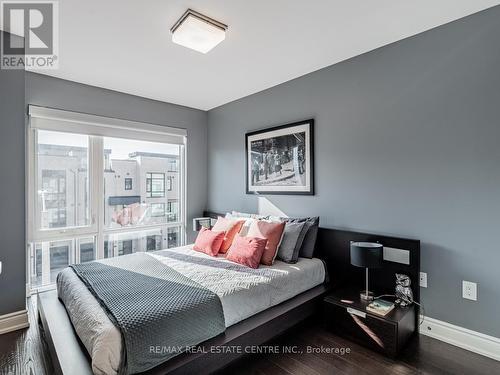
469, 290
423, 279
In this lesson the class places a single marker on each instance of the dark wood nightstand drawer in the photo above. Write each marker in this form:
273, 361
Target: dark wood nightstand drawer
345, 314
357, 325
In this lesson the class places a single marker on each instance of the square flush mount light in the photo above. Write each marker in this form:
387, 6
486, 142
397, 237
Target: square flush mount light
196, 31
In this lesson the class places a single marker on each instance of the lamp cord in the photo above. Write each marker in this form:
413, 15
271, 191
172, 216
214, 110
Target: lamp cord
407, 300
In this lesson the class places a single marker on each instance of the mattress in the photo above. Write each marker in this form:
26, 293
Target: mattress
243, 292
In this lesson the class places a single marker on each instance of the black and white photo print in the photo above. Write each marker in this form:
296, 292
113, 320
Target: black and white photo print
280, 159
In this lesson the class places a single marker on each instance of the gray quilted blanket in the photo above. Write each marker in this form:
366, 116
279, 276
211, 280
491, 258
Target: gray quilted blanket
159, 311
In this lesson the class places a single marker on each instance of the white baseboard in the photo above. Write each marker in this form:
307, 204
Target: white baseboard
14, 321
464, 338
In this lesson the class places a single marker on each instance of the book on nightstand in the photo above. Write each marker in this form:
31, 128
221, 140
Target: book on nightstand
380, 307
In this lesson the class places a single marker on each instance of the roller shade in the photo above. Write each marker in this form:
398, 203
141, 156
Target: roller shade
82, 123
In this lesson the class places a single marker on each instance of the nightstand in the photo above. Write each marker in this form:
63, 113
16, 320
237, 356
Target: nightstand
345, 314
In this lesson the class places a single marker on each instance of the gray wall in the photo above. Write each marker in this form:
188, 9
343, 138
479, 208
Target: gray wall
61, 94
406, 144
12, 219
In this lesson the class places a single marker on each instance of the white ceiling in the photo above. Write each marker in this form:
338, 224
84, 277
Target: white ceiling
126, 45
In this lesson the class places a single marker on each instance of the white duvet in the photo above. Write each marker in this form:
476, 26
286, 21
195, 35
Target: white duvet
243, 292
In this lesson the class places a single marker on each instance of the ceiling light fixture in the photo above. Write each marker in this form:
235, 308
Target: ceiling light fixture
197, 31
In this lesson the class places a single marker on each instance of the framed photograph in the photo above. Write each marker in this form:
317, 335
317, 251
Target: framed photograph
280, 160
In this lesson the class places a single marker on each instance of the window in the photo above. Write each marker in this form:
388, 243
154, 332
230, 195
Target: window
158, 209
63, 165
79, 210
154, 242
128, 183
155, 185
170, 183
117, 244
172, 165
173, 210
50, 258
53, 196
87, 249
173, 238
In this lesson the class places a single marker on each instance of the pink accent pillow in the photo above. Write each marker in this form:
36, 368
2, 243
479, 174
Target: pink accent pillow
230, 228
247, 251
271, 231
208, 242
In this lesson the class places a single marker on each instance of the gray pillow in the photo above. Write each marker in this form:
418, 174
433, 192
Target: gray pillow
312, 223
290, 245
307, 250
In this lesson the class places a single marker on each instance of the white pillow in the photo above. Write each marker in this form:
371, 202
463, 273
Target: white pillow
246, 225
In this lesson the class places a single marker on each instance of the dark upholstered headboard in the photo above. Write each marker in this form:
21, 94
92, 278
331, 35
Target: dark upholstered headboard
333, 246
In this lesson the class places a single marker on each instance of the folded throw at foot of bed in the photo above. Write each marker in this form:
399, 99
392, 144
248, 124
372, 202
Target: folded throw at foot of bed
159, 311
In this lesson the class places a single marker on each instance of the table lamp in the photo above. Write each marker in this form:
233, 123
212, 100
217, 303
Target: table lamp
367, 255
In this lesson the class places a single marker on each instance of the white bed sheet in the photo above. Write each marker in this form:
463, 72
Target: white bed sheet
243, 292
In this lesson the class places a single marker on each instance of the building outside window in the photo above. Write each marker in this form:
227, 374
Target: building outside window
87, 249
53, 197
158, 209
170, 183
128, 183
153, 243
58, 257
173, 166
155, 185
172, 210
173, 238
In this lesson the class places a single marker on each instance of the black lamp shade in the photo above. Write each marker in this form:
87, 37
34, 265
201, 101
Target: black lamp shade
366, 254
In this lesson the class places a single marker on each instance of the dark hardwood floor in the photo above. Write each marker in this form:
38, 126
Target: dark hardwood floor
23, 352
423, 355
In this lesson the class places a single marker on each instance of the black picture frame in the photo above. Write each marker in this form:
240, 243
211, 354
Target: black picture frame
304, 155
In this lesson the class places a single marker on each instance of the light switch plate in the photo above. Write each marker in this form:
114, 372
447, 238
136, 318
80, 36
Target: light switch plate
423, 280
469, 290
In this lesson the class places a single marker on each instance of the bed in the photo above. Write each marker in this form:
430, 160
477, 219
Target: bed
243, 293
292, 301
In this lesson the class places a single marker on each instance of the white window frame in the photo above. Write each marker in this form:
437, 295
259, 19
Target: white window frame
97, 127
35, 233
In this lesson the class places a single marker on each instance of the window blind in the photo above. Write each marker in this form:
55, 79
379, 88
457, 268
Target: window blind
82, 123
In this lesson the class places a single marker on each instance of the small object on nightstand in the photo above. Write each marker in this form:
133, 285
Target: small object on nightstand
199, 222
380, 307
404, 294
367, 255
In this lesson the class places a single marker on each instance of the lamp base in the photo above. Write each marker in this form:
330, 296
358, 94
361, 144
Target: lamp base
366, 296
